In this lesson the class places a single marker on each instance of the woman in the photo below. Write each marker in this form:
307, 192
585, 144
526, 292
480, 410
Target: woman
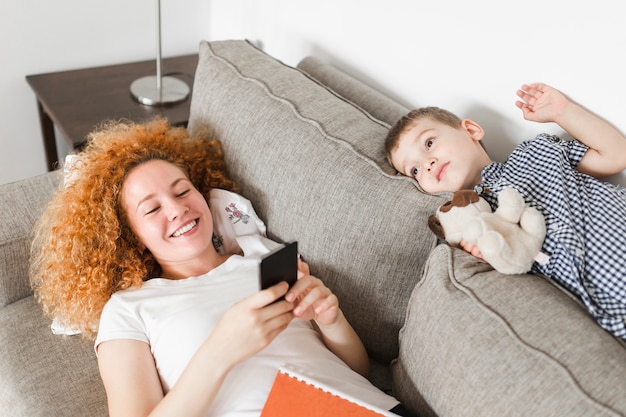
125, 251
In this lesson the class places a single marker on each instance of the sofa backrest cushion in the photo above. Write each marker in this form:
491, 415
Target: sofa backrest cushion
369, 99
313, 165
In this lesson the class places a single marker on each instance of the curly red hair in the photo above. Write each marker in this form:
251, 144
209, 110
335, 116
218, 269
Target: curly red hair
84, 249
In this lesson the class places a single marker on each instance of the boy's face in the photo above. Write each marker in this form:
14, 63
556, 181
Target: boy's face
441, 157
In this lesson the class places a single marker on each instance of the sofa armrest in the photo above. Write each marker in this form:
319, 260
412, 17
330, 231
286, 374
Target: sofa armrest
21, 204
476, 342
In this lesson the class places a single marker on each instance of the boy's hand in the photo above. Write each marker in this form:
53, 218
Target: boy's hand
607, 145
471, 249
541, 103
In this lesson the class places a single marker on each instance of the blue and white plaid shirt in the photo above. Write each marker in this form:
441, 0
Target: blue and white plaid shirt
585, 220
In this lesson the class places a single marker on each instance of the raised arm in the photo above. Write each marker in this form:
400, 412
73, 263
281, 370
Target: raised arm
131, 380
607, 145
314, 301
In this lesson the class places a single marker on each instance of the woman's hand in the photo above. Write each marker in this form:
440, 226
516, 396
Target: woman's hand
131, 378
313, 300
251, 324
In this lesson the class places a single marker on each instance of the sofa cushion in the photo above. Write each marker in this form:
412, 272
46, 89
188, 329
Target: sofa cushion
313, 165
44, 374
21, 204
360, 94
479, 343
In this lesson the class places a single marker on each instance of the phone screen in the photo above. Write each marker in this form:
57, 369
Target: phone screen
281, 264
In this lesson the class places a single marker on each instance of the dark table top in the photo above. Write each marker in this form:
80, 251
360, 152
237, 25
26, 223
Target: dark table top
79, 100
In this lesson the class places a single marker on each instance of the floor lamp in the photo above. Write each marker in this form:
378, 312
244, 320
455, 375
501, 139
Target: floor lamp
159, 90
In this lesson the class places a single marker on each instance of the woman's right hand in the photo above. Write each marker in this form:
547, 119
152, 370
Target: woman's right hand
131, 378
251, 324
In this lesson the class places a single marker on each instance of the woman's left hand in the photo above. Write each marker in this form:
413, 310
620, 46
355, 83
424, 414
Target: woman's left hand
314, 301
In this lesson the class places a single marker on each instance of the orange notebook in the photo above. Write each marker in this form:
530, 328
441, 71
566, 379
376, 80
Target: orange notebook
295, 394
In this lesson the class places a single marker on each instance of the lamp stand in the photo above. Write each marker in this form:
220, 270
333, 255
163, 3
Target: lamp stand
158, 90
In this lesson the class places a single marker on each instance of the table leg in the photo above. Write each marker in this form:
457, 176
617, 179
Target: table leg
49, 138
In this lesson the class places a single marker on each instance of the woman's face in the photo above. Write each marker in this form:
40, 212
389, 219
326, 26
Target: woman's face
168, 214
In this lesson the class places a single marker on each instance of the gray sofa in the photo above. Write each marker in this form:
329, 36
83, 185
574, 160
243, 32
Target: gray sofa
446, 334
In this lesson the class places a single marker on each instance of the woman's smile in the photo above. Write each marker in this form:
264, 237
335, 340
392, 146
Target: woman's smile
186, 228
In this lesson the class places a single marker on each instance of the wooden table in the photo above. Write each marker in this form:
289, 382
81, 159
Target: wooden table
77, 101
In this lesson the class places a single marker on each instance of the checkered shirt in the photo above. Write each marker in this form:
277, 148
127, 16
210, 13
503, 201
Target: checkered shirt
585, 220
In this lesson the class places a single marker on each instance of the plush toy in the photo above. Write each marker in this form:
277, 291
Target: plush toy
509, 239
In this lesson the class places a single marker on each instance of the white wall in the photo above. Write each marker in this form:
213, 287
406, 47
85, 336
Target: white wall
469, 57
40, 36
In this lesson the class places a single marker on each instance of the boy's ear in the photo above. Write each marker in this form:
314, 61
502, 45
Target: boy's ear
473, 129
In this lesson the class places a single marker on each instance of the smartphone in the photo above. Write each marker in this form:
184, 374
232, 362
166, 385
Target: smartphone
281, 264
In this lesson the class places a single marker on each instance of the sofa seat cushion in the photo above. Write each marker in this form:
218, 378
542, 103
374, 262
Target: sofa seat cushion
313, 165
478, 343
44, 374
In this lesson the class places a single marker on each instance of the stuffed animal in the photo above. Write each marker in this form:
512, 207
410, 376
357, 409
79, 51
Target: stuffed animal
509, 239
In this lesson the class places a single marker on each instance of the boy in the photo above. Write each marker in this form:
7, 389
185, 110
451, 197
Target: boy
585, 217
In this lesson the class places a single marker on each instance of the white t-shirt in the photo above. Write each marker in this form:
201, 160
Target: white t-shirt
176, 316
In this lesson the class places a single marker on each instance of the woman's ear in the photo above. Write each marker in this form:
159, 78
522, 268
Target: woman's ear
473, 129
